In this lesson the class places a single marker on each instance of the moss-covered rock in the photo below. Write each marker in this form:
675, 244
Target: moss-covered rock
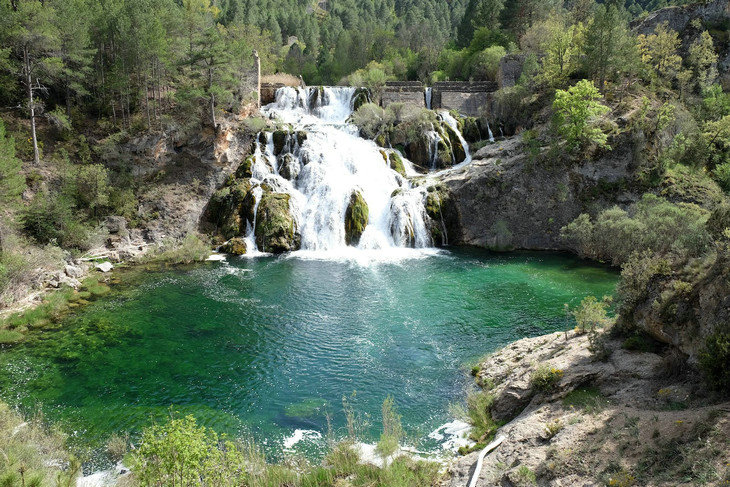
289, 167
356, 218
235, 246
361, 97
437, 199
226, 207
457, 148
470, 129
276, 230
280, 137
245, 170
381, 140
396, 163
301, 137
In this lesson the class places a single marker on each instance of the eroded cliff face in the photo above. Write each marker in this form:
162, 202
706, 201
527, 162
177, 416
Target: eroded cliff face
509, 199
178, 174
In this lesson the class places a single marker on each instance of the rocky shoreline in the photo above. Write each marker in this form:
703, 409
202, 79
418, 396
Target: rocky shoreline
633, 418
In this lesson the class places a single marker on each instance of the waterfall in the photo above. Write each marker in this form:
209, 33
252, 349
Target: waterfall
429, 96
491, 135
322, 173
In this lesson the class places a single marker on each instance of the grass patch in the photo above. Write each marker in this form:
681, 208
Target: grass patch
8, 337
545, 378
587, 399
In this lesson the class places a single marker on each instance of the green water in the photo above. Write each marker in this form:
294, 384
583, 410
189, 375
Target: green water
267, 346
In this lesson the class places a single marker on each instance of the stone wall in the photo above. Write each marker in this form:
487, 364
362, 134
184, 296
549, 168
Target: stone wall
408, 92
468, 98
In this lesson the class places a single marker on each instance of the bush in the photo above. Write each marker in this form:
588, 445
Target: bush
183, 453
478, 410
592, 314
88, 187
719, 221
715, 361
545, 378
392, 430
46, 218
721, 174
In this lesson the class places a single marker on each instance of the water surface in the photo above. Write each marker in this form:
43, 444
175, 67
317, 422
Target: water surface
271, 345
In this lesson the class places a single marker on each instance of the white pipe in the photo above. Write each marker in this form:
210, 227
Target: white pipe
480, 460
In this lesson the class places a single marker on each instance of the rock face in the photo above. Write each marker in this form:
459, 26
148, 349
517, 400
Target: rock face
507, 199
684, 318
356, 218
598, 423
276, 230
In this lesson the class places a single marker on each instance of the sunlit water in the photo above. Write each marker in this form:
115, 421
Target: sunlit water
269, 346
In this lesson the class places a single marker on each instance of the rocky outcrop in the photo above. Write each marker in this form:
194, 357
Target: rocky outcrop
356, 218
684, 313
509, 198
615, 422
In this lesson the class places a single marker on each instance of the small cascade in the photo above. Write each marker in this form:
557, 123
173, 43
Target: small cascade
433, 138
451, 122
428, 94
491, 135
250, 236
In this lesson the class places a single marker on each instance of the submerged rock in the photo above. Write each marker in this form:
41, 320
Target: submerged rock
356, 218
276, 230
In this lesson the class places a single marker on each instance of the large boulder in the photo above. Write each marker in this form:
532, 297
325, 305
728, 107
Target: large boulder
235, 246
227, 205
356, 218
276, 229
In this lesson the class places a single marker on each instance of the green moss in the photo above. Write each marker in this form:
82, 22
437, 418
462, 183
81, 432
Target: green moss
246, 168
356, 218
275, 227
396, 163
381, 140
457, 149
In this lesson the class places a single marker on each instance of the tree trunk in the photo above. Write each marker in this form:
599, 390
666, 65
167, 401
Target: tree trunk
31, 106
258, 78
212, 97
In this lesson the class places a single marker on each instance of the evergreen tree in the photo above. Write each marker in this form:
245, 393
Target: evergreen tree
609, 48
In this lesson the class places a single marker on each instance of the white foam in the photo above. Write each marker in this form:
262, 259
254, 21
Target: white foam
300, 435
452, 435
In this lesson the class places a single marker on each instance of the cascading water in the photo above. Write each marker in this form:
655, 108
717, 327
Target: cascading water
451, 122
428, 94
323, 172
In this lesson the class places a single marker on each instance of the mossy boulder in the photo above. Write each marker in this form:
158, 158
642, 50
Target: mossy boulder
436, 200
382, 140
470, 129
235, 246
245, 170
289, 167
276, 230
356, 218
226, 207
361, 97
280, 137
396, 163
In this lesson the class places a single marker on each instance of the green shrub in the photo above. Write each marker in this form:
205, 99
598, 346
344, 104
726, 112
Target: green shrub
719, 221
721, 174
182, 453
392, 430
653, 224
592, 314
545, 378
576, 114
636, 275
715, 360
